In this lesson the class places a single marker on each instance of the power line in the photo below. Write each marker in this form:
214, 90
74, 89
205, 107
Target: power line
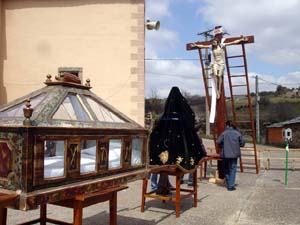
170, 59
173, 75
276, 84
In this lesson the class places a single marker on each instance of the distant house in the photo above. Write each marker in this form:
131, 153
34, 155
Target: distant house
293, 94
275, 132
102, 40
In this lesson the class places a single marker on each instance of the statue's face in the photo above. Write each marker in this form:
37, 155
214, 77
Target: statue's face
214, 42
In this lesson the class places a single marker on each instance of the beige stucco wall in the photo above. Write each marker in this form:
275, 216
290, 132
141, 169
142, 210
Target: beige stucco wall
1, 61
104, 37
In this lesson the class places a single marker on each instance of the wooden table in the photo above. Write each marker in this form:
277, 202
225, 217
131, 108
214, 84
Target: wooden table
166, 171
204, 160
80, 202
6, 200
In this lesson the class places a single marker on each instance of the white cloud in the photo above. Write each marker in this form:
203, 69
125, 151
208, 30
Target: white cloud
273, 23
156, 9
162, 75
162, 40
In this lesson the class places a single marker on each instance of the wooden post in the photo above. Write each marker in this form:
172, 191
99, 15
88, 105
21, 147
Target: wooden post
221, 114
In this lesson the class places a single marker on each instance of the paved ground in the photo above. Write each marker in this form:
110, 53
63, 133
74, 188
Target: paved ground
259, 200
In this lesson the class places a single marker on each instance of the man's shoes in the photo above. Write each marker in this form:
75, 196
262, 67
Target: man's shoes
231, 189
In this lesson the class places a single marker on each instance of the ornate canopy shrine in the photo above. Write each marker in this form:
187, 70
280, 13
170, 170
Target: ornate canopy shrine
62, 140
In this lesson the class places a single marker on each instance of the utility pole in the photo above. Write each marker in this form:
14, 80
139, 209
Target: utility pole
257, 98
207, 34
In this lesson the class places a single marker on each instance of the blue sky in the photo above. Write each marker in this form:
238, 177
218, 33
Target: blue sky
274, 57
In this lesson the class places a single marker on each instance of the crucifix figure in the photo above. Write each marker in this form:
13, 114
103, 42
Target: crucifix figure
217, 46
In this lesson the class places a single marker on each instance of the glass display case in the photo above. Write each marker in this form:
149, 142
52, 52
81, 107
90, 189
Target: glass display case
62, 140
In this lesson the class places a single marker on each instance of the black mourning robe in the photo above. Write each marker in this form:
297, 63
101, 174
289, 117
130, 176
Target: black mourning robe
173, 139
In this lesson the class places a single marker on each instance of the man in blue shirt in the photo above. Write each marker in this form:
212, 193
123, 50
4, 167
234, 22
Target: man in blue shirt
230, 141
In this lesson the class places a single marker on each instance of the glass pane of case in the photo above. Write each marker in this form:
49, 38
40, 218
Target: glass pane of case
137, 147
71, 109
88, 156
17, 110
102, 113
54, 158
114, 155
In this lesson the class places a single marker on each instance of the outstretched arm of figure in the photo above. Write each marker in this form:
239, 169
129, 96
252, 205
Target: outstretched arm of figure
237, 41
200, 45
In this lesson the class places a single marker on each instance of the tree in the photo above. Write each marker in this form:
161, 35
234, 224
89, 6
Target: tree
154, 104
281, 89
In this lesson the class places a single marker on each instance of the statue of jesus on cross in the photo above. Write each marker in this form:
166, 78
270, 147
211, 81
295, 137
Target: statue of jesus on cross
217, 45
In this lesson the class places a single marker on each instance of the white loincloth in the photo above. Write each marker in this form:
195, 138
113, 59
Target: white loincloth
213, 100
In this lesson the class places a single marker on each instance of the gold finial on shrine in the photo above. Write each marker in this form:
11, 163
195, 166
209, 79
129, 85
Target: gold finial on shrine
88, 82
27, 114
58, 78
49, 78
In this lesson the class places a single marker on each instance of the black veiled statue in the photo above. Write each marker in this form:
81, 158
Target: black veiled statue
174, 139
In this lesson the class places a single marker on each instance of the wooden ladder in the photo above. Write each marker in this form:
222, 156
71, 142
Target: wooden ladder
241, 106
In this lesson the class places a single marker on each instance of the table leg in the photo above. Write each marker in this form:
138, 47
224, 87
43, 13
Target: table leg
195, 188
144, 190
43, 214
201, 169
205, 168
3, 215
113, 209
177, 203
77, 213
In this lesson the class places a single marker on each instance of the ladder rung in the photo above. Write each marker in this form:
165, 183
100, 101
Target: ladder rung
243, 121
247, 149
238, 75
242, 113
247, 155
236, 66
235, 56
239, 85
246, 130
240, 95
248, 163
